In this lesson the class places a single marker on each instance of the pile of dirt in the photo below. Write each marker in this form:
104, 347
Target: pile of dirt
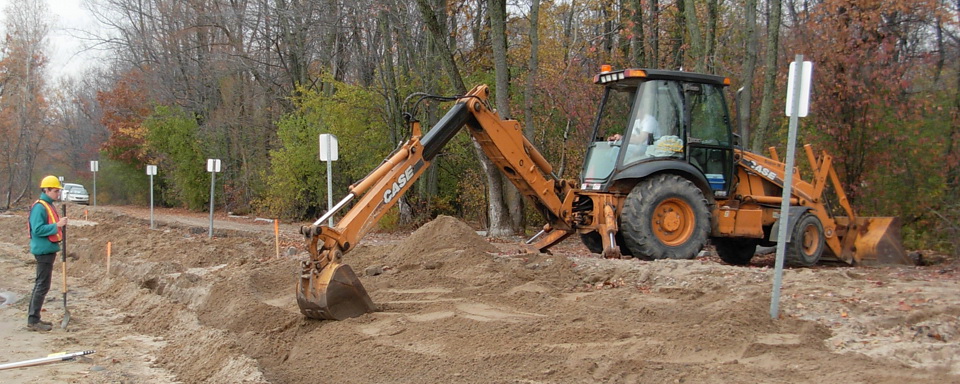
443, 233
444, 241
455, 308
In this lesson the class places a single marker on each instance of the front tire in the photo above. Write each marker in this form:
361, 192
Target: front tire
807, 242
594, 244
735, 251
665, 217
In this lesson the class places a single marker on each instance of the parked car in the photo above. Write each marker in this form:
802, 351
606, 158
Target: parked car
74, 193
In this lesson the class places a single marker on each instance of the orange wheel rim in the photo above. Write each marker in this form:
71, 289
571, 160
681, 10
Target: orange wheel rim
811, 239
673, 221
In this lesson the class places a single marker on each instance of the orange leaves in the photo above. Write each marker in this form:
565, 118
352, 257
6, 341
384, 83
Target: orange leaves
866, 77
124, 109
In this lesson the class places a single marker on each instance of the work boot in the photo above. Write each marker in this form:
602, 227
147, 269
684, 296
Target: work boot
46, 323
41, 327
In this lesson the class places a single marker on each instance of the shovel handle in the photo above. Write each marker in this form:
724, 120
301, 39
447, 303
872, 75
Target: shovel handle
63, 240
63, 251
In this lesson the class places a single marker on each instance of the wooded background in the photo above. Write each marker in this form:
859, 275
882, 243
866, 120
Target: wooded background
253, 82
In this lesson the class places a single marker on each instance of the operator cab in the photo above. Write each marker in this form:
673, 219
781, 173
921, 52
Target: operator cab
660, 121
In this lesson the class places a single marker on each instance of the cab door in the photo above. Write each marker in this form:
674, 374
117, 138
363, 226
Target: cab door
709, 136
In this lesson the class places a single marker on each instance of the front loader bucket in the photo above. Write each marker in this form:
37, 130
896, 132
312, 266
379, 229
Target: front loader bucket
879, 242
333, 293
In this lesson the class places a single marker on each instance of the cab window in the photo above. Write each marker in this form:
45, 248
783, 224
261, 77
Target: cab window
656, 122
709, 122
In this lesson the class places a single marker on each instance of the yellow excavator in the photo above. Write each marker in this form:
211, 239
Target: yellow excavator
662, 176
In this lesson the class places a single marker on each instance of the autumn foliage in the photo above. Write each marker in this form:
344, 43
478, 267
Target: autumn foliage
875, 107
124, 109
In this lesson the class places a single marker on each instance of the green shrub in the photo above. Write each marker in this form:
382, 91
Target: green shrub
172, 133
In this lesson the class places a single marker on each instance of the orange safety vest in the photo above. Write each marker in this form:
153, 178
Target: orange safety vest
52, 218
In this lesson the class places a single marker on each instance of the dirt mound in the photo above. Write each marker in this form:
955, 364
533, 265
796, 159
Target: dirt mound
443, 233
435, 242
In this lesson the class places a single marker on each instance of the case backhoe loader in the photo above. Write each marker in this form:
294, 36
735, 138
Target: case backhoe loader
662, 176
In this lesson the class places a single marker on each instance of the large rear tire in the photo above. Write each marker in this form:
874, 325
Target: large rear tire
735, 251
807, 243
665, 216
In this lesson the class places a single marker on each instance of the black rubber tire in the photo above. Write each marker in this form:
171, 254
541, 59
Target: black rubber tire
808, 242
595, 245
592, 241
735, 251
665, 217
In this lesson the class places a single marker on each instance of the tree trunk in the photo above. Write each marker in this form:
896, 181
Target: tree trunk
693, 36
21, 95
679, 39
496, 209
446, 57
744, 104
531, 85
395, 119
390, 79
941, 50
654, 34
625, 42
568, 35
637, 54
607, 32
509, 221
23, 192
477, 24
769, 75
713, 10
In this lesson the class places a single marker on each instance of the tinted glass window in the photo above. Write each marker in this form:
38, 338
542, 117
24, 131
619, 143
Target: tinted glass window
709, 122
656, 123
615, 110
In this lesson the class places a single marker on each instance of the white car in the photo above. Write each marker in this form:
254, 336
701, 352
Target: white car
74, 193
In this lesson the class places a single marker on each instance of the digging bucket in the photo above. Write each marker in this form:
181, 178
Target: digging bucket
879, 242
333, 293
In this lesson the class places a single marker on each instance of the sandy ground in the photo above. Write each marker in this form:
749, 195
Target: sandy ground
176, 306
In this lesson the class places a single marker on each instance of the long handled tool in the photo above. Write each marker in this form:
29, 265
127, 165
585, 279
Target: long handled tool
44, 360
63, 264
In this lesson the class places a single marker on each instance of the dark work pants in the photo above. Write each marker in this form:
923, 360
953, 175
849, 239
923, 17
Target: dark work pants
41, 286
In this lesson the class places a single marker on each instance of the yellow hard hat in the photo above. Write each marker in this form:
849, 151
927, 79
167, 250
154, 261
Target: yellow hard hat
50, 182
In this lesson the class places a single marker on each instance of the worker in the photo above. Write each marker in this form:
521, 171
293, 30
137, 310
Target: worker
46, 231
643, 129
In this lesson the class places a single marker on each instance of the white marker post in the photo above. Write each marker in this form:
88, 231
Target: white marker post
151, 171
94, 167
63, 197
213, 166
798, 102
329, 152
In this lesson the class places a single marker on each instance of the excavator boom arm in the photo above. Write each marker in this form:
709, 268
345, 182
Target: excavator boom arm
505, 145
328, 289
